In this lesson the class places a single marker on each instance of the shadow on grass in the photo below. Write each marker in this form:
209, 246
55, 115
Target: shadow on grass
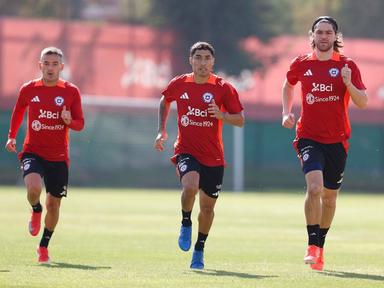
213, 272
4, 271
74, 266
342, 274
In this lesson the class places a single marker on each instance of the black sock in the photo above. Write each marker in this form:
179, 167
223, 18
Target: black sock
313, 234
186, 218
46, 237
200, 241
37, 208
323, 234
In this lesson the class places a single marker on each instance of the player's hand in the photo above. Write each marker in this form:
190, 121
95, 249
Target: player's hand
66, 116
159, 141
214, 110
288, 120
11, 145
346, 73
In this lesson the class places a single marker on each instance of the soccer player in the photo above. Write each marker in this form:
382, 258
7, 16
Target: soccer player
54, 107
204, 103
328, 81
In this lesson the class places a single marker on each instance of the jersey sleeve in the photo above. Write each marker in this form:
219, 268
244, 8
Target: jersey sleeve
356, 76
292, 72
231, 100
77, 122
18, 113
168, 92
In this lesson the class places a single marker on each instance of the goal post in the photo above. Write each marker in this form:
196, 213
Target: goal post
238, 159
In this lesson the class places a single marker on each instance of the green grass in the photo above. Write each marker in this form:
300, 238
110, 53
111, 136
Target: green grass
128, 238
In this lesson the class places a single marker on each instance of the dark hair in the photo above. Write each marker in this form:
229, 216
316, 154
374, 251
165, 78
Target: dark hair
201, 46
328, 19
51, 51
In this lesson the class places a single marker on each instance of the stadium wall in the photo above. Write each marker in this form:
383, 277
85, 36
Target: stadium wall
115, 150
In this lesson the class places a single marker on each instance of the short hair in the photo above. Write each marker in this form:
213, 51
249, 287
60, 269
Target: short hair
201, 46
51, 51
338, 44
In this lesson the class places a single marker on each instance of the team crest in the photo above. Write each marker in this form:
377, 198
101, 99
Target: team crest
207, 97
59, 100
184, 120
36, 125
183, 167
310, 98
26, 164
333, 72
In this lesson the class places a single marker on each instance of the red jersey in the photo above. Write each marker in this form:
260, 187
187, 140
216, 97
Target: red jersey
199, 134
324, 97
47, 135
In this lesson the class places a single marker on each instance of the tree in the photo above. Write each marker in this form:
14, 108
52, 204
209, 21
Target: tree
363, 19
224, 23
62, 9
304, 12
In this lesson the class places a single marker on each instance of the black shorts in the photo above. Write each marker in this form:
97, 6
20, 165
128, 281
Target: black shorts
55, 174
329, 158
211, 178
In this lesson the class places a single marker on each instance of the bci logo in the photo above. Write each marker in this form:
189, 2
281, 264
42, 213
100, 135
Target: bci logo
48, 114
197, 112
321, 87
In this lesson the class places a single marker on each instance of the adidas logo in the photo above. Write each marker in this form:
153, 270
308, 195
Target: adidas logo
184, 96
308, 73
35, 99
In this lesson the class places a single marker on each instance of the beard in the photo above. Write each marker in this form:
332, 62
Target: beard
324, 47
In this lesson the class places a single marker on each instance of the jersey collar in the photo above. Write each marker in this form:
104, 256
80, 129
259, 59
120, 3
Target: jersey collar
60, 83
211, 80
335, 56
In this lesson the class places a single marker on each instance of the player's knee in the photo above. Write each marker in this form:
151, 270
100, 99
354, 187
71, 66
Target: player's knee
207, 210
190, 189
314, 190
52, 206
34, 188
329, 201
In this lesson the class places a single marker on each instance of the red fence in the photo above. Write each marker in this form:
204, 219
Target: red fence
112, 60
125, 62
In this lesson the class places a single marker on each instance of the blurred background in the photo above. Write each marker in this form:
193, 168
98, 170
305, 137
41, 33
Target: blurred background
122, 53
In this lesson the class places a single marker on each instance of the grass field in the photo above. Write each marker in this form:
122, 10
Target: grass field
128, 238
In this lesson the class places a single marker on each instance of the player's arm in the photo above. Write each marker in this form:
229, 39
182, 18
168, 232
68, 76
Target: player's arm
16, 120
288, 120
359, 97
162, 135
74, 117
235, 119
